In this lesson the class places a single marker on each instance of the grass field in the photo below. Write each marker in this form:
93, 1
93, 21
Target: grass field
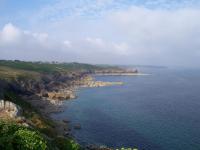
48, 67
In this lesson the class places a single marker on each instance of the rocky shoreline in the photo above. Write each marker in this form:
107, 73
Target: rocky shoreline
120, 74
89, 81
48, 94
48, 101
40, 89
51, 102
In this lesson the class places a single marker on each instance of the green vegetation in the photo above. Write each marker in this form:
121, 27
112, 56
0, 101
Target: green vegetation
21, 70
12, 70
15, 137
10, 74
47, 67
66, 144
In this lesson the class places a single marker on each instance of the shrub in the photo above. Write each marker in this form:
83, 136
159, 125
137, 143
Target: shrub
66, 144
26, 139
15, 137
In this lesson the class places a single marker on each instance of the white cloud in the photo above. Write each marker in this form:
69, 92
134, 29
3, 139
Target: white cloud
10, 34
67, 43
95, 42
121, 48
17, 43
42, 37
128, 35
157, 36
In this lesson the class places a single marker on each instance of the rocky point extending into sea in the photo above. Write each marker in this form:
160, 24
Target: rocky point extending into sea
48, 97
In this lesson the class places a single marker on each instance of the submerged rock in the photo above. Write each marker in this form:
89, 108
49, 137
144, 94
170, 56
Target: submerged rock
95, 147
77, 126
66, 121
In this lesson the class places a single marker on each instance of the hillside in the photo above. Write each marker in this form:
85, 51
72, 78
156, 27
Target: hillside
37, 88
50, 67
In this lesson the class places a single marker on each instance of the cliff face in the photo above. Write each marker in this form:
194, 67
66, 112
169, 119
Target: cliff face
3, 86
56, 86
53, 86
52, 80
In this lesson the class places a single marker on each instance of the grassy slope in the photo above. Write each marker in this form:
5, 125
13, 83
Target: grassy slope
11, 70
47, 67
7, 73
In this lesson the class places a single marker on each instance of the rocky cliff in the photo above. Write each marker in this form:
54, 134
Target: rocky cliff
10, 109
48, 85
58, 86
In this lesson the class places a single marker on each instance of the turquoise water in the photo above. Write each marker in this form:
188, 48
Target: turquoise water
156, 112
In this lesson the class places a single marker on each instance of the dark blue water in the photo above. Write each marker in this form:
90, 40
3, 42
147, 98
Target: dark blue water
156, 112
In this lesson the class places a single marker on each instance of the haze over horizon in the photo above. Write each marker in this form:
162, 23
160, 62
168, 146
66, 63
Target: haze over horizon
149, 32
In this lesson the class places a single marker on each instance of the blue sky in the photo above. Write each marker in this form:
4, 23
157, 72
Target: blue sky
16, 11
164, 32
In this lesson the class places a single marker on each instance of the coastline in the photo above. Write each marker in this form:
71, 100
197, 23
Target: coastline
48, 106
49, 102
89, 82
86, 82
121, 74
40, 91
52, 101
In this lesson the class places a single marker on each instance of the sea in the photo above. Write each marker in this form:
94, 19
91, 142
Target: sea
158, 111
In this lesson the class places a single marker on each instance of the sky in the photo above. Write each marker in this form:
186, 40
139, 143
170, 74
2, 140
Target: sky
128, 32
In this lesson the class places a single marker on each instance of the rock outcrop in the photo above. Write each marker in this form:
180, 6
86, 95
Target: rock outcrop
54, 87
116, 72
10, 109
89, 81
101, 84
60, 95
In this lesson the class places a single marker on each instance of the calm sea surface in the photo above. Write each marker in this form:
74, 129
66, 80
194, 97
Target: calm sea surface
160, 111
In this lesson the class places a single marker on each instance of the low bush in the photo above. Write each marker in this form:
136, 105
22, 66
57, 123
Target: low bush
66, 144
15, 137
